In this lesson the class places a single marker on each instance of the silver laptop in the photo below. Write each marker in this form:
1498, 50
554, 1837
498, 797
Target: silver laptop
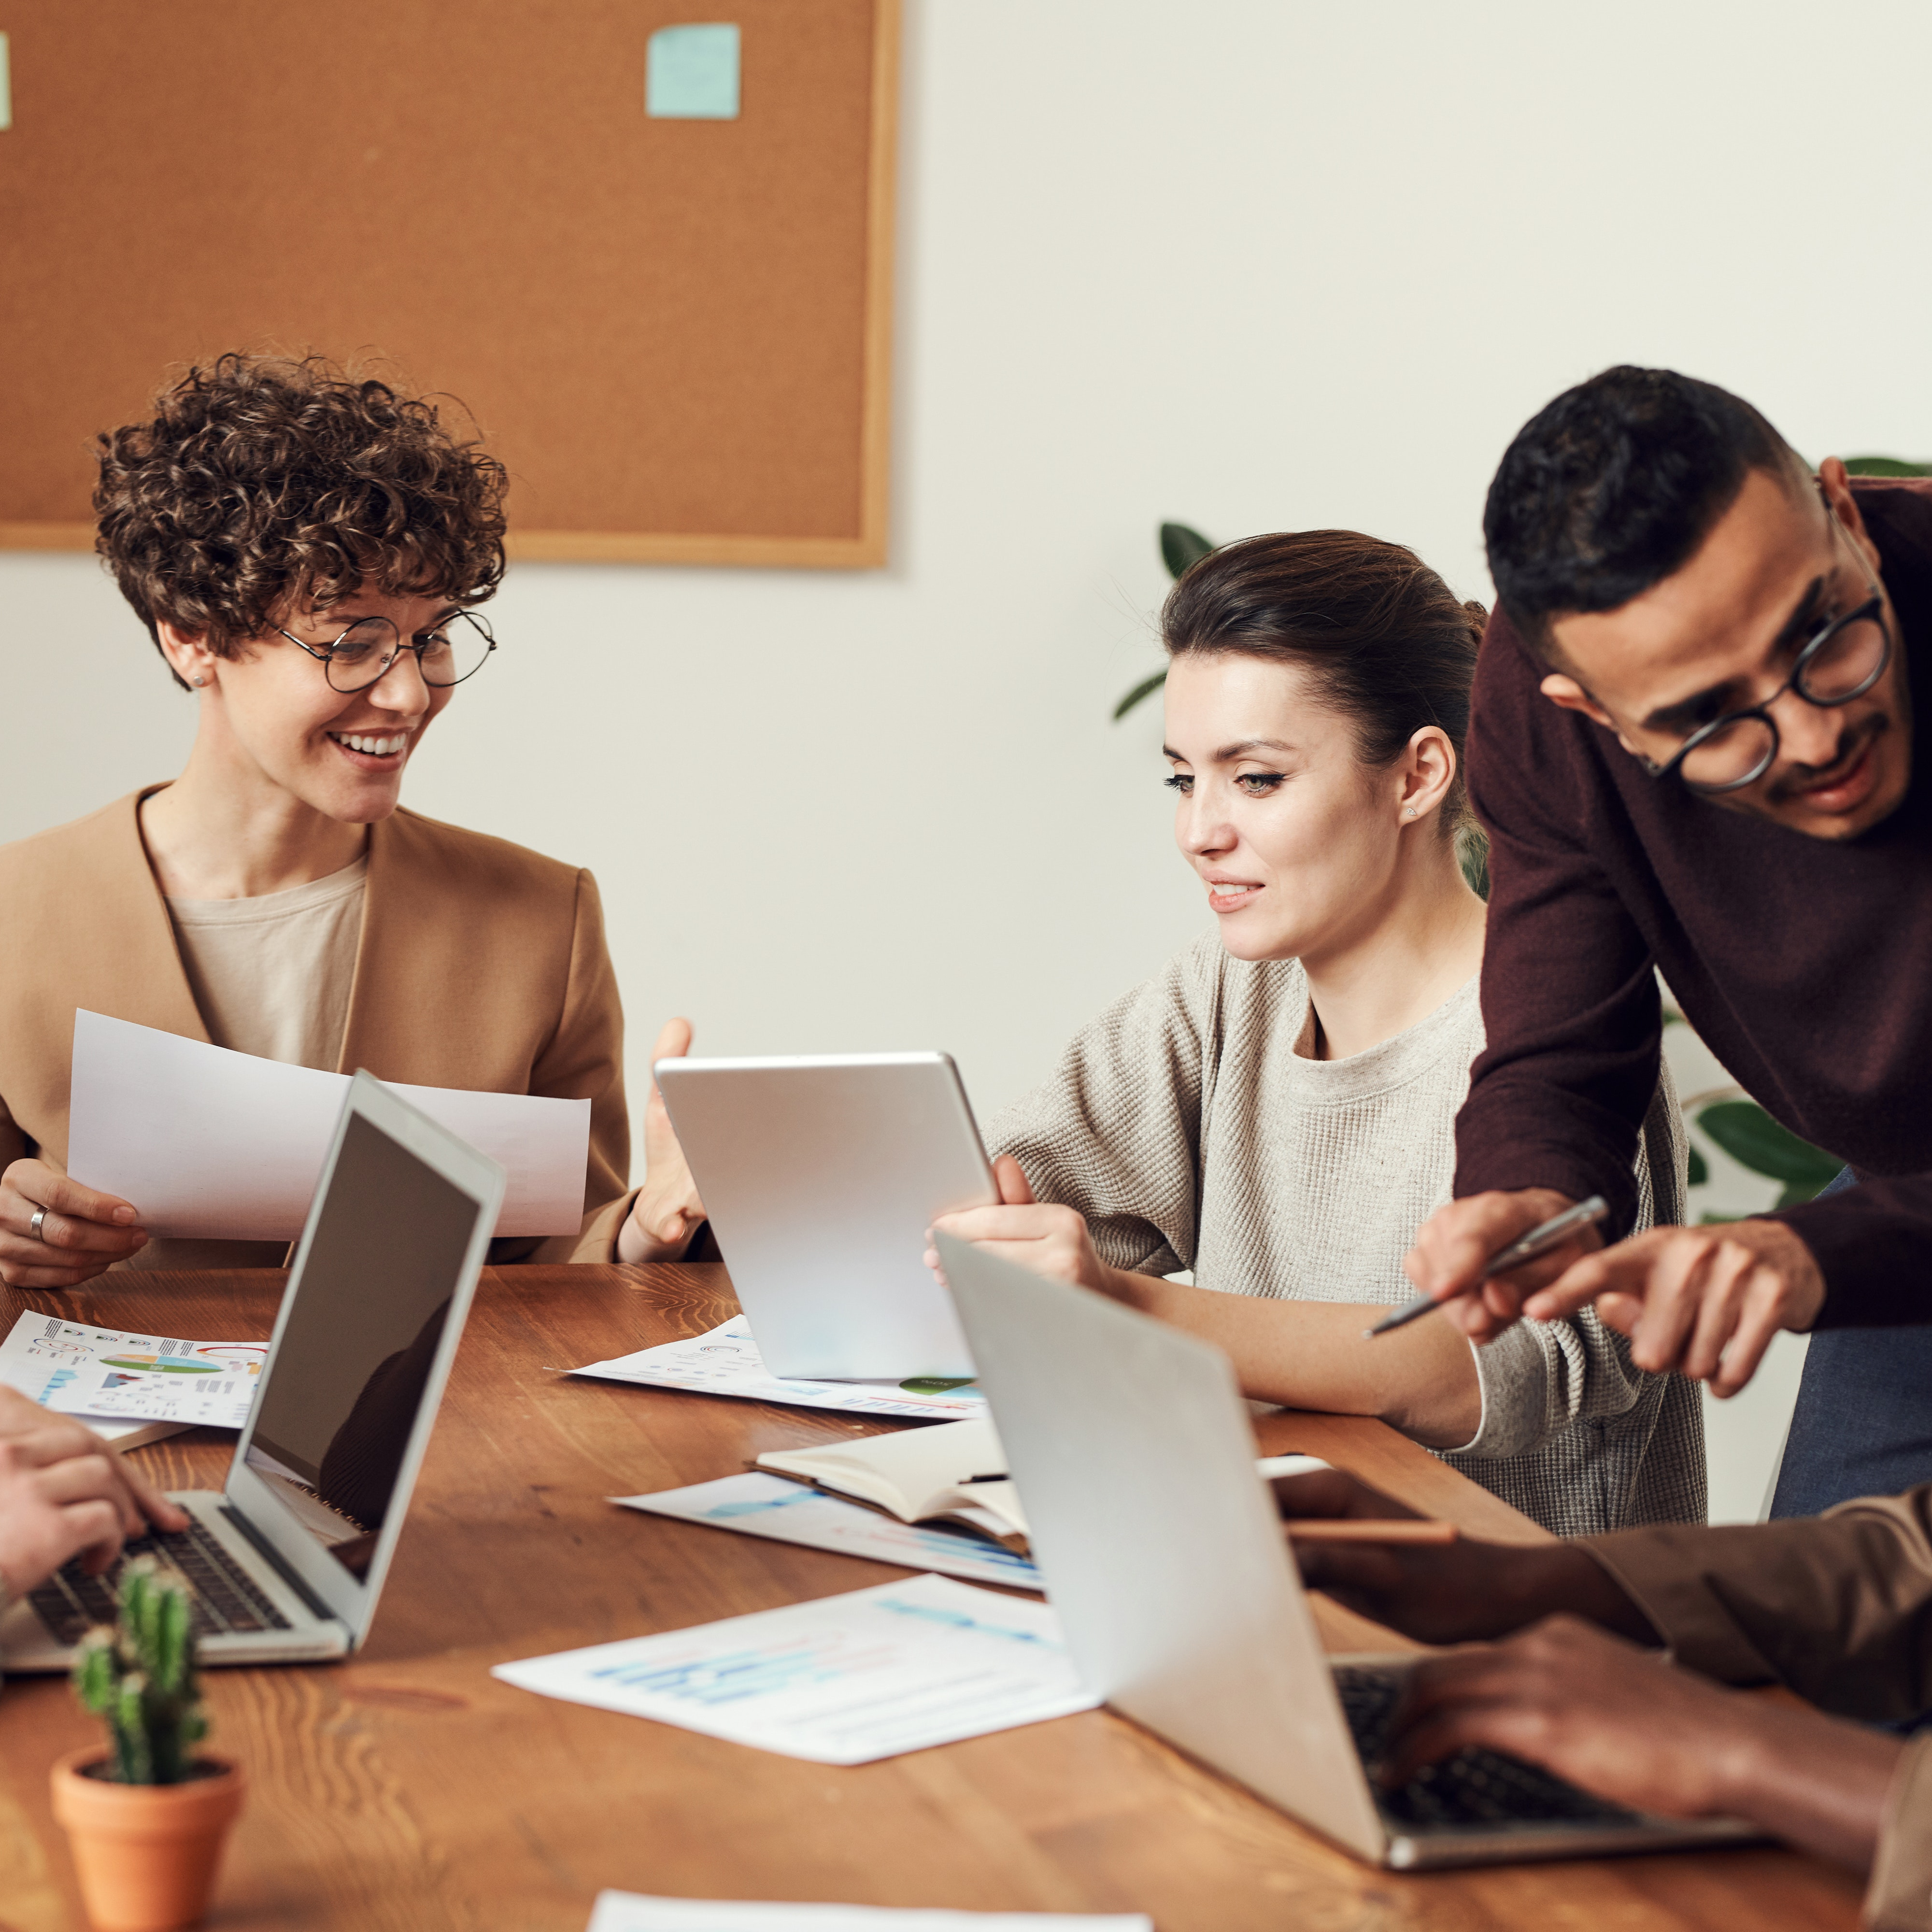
286, 1563
821, 1175
1134, 1455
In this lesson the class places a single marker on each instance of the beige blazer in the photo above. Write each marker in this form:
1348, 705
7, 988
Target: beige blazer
480, 965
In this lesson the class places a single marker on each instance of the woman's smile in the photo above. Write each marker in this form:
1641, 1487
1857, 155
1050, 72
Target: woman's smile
372, 751
1231, 895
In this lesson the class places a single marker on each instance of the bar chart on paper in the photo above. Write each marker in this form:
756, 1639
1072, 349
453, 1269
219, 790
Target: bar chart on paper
842, 1681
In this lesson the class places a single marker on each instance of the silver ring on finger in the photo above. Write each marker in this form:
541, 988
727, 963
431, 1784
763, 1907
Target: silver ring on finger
33, 1226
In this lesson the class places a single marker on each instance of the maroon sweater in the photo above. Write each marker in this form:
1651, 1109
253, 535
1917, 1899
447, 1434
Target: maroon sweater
1802, 964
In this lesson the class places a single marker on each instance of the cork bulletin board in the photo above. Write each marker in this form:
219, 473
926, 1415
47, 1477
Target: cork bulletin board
675, 330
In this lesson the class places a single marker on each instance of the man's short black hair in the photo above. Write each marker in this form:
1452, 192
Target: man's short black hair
1612, 487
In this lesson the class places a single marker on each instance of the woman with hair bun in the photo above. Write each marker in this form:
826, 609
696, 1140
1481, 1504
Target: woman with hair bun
1275, 1110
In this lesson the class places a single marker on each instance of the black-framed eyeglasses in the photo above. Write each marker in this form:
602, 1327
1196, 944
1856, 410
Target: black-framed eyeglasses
458, 648
1846, 658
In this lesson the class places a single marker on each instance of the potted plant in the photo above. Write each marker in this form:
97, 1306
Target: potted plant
146, 1818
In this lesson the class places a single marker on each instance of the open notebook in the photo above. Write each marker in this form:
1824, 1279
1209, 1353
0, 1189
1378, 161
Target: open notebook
955, 1472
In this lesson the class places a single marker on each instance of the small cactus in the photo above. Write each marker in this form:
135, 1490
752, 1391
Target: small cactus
140, 1677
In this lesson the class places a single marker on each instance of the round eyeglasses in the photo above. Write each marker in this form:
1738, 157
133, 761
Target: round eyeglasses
458, 648
1841, 663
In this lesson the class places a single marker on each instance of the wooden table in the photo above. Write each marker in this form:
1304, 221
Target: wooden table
407, 1788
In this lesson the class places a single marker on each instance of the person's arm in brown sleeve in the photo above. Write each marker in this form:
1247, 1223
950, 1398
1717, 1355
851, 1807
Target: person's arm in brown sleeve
1571, 1011
1565, 1668
1899, 1898
1839, 1607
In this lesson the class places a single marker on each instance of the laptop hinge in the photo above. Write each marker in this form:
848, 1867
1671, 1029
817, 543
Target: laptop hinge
273, 1558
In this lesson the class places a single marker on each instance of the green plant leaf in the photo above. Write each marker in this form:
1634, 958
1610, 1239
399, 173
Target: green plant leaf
96, 1672
1146, 688
170, 1665
1182, 547
1754, 1140
133, 1745
1886, 466
1700, 1168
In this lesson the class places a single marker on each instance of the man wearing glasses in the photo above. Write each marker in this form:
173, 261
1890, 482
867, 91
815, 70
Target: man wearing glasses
307, 551
1692, 746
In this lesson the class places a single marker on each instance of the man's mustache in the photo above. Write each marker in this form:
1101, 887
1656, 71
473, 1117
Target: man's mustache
1852, 742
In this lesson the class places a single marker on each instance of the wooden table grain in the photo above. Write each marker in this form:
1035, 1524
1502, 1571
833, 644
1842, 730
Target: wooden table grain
406, 1788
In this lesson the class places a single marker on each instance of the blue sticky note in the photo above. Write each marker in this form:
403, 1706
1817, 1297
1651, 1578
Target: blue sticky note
691, 73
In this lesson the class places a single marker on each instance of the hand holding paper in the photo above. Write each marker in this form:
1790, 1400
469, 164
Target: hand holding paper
224, 1146
54, 1233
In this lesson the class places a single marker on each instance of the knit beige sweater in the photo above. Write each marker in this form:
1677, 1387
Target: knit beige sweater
1186, 1127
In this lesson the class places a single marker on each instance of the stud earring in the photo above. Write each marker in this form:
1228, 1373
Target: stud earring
1409, 813
200, 681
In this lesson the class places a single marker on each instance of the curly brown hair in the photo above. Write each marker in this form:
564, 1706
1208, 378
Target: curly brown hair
262, 483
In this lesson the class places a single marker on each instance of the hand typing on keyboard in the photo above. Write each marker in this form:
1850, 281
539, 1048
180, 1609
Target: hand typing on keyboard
65, 1494
1608, 1717
1572, 1688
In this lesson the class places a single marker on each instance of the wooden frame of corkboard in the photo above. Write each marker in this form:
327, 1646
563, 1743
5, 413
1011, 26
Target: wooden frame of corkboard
676, 334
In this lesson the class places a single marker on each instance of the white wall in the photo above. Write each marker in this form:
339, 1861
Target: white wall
1246, 263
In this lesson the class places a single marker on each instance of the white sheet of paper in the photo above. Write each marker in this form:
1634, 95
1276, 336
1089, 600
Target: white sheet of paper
222, 1146
636, 1912
845, 1680
87, 1371
766, 1505
725, 1361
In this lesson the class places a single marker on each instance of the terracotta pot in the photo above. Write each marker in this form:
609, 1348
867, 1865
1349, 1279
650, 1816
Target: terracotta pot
146, 1854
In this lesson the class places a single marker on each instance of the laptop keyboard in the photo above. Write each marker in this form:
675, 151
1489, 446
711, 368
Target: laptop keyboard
221, 1595
1473, 1787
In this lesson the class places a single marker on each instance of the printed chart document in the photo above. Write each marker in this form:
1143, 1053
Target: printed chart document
762, 1505
634, 1912
222, 1146
94, 1372
843, 1680
726, 1361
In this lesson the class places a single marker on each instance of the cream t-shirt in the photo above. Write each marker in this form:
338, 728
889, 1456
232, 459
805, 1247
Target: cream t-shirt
271, 976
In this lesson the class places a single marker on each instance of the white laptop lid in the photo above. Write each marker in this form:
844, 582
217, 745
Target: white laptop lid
374, 1308
1134, 1455
821, 1174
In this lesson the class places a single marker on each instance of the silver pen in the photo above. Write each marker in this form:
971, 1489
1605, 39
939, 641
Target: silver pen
1552, 1234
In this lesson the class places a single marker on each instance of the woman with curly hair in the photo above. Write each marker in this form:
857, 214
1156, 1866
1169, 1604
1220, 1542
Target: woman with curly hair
308, 551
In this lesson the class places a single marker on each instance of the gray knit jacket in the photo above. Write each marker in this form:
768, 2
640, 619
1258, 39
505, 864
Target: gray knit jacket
1186, 1128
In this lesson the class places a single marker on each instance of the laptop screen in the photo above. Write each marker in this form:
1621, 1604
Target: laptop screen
340, 1399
